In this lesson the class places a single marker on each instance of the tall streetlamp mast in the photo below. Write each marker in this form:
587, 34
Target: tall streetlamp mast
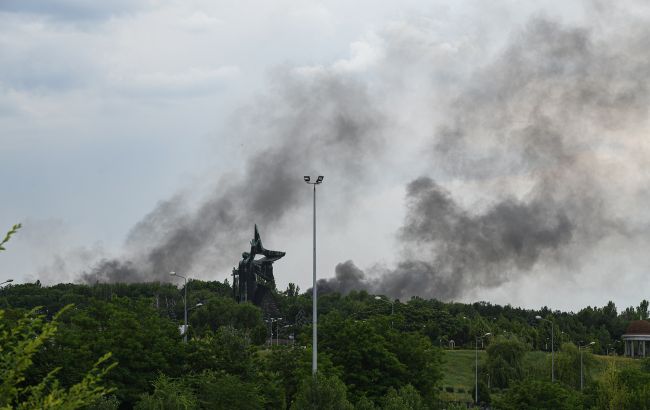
552, 346
314, 359
581, 348
184, 305
476, 365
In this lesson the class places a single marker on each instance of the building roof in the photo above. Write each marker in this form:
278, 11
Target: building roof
638, 327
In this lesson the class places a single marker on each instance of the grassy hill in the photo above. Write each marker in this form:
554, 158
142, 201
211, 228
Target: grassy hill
458, 380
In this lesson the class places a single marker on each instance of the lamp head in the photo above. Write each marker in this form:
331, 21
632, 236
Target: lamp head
199, 304
378, 297
538, 317
9, 280
487, 334
319, 179
592, 343
307, 178
172, 273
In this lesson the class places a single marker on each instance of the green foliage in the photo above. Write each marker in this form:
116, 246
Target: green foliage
144, 344
422, 361
18, 346
407, 398
364, 403
168, 394
228, 349
505, 361
483, 392
627, 389
567, 365
369, 367
539, 395
109, 402
222, 391
322, 393
8, 236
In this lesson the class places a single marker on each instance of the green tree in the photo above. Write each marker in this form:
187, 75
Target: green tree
222, 391
228, 349
567, 365
369, 367
505, 361
421, 359
539, 395
143, 342
18, 345
168, 394
322, 393
627, 389
407, 398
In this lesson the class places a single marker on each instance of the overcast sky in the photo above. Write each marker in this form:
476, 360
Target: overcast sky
471, 150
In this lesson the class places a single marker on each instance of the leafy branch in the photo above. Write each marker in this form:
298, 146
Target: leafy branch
13, 230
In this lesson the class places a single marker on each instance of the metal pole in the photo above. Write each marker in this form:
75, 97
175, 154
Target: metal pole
185, 303
314, 363
476, 372
581, 376
552, 353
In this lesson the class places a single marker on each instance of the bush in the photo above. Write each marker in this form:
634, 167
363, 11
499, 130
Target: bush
322, 393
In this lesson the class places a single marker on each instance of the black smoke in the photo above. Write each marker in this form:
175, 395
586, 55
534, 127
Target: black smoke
530, 128
318, 121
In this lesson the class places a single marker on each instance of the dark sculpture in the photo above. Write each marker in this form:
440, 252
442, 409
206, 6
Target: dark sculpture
253, 281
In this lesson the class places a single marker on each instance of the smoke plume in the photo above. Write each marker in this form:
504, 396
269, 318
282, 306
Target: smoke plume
538, 128
315, 120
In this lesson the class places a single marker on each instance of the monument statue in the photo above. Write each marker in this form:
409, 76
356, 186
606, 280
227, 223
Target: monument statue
253, 280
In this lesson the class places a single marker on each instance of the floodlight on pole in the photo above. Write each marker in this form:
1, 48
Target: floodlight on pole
476, 365
581, 349
184, 304
314, 364
552, 345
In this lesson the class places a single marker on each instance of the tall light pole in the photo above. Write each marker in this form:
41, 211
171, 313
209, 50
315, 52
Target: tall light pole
184, 304
6, 281
476, 365
552, 346
314, 359
392, 308
582, 348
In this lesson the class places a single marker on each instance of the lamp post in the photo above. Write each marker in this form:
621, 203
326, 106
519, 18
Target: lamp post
314, 359
582, 348
392, 308
552, 346
6, 281
476, 365
184, 304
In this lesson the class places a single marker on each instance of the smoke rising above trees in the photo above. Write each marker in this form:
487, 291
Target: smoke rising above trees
544, 134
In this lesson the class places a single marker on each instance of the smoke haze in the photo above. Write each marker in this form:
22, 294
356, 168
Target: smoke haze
539, 127
514, 158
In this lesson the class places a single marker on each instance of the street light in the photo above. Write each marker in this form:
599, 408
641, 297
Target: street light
6, 281
476, 365
184, 303
552, 346
314, 363
392, 308
277, 329
581, 348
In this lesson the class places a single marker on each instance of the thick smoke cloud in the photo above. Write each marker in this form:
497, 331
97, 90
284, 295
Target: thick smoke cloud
520, 174
315, 120
536, 127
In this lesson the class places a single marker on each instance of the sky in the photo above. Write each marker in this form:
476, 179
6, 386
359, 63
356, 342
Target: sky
471, 150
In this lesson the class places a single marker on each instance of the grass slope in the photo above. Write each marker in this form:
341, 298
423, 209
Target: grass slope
458, 369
